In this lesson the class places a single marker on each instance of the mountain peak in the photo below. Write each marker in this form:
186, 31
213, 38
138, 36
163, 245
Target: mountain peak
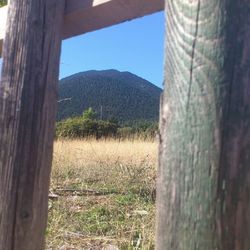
122, 95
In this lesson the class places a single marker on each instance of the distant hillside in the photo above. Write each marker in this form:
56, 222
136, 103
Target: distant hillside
110, 93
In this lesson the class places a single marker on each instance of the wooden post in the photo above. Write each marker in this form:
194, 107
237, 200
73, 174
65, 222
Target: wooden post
203, 195
28, 93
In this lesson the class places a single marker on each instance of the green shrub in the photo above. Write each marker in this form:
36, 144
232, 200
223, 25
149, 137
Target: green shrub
70, 128
106, 129
125, 132
88, 126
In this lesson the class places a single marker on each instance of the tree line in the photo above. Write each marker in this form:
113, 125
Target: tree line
87, 125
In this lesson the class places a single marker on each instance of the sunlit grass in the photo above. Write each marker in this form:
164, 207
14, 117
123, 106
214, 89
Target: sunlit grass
106, 195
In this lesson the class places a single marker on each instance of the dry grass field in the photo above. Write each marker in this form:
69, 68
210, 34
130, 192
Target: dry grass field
105, 195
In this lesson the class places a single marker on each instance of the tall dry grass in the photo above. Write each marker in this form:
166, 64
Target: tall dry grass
91, 152
124, 172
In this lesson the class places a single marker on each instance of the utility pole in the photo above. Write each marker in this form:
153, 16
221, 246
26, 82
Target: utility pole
101, 114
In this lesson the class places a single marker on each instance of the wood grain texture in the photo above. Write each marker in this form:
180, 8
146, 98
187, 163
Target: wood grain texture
28, 93
3, 18
203, 199
83, 16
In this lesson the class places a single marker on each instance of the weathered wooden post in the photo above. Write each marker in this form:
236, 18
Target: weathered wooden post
204, 174
28, 92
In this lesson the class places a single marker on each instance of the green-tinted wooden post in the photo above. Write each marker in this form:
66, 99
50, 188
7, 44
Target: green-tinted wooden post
28, 94
204, 175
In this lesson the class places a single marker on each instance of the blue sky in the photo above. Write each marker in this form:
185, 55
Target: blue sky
135, 46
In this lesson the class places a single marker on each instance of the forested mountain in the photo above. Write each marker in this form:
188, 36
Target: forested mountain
112, 94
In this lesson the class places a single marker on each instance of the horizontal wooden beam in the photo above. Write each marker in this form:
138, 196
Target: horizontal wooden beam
89, 15
82, 16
